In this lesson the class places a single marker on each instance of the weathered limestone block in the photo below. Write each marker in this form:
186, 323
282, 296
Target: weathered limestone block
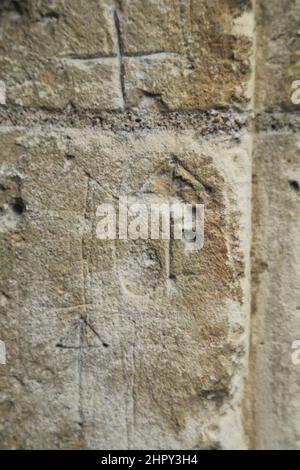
276, 301
187, 54
38, 39
95, 83
171, 54
122, 343
278, 56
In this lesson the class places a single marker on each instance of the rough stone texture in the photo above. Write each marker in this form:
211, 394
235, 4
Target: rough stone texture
114, 344
170, 54
276, 300
198, 56
278, 56
163, 331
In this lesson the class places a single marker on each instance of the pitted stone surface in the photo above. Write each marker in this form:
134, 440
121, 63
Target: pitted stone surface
144, 344
113, 343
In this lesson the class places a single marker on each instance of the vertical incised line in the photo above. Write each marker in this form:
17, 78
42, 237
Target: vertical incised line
120, 54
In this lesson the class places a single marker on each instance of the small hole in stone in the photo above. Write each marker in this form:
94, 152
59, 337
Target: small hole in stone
52, 15
70, 157
18, 206
105, 345
294, 185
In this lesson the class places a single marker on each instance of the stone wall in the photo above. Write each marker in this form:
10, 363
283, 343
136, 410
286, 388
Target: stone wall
127, 344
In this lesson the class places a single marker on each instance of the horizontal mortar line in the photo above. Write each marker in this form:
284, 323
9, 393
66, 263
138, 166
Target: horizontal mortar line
108, 113
168, 127
150, 53
62, 121
115, 56
88, 56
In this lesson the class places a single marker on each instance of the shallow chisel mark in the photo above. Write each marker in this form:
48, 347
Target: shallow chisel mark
207, 187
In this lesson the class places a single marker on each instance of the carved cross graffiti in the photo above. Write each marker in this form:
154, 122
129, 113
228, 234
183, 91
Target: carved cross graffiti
80, 333
78, 338
120, 55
